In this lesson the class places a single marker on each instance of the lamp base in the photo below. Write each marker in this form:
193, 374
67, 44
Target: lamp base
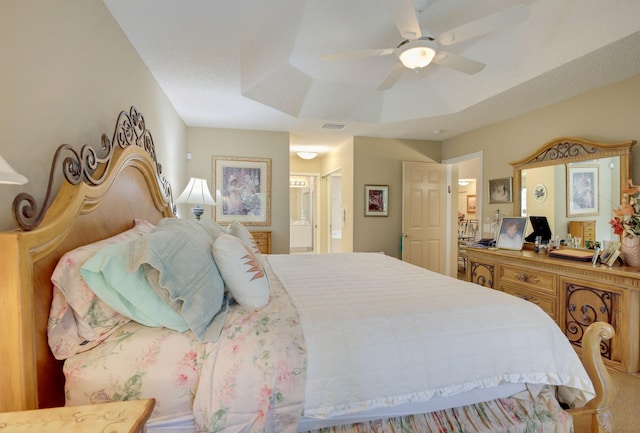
197, 212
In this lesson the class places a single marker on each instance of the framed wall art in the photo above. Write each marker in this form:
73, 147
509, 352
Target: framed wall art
242, 190
471, 204
500, 190
376, 199
540, 193
582, 190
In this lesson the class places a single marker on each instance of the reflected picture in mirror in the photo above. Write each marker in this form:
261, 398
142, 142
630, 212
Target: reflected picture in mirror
582, 190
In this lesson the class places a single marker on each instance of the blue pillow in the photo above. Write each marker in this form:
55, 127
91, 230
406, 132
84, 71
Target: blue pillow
180, 250
129, 293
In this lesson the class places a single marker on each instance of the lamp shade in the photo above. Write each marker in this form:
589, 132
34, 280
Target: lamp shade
9, 175
196, 192
417, 54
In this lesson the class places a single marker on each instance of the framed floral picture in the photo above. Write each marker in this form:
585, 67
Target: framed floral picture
376, 199
242, 190
471, 204
582, 190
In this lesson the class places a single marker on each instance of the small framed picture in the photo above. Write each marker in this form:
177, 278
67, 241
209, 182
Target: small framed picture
471, 204
582, 190
512, 231
609, 255
376, 200
500, 190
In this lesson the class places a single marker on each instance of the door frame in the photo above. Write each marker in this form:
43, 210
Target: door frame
451, 243
316, 206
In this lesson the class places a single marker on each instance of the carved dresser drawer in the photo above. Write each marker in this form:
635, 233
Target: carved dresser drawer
539, 281
548, 304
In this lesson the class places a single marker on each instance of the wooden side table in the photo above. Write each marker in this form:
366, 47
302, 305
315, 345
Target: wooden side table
262, 240
117, 417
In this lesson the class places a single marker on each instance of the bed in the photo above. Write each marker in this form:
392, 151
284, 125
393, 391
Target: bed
341, 342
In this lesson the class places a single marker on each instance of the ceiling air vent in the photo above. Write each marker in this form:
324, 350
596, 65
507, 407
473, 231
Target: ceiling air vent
334, 126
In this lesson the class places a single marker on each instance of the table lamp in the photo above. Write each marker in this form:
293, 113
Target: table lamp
196, 193
9, 175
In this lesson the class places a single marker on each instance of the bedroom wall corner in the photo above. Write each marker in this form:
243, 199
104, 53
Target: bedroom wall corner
205, 143
378, 161
69, 71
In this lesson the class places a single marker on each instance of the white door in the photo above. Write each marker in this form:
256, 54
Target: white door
424, 199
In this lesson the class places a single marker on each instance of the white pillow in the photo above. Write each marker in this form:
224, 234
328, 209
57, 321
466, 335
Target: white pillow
238, 230
242, 272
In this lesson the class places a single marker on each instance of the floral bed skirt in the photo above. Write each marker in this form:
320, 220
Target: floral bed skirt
519, 414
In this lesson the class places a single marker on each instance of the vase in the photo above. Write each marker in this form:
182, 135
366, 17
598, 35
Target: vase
630, 249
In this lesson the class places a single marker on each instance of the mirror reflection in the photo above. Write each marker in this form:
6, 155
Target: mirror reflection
565, 194
573, 184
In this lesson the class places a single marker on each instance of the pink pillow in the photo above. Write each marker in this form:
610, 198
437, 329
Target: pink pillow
78, 319
242, 272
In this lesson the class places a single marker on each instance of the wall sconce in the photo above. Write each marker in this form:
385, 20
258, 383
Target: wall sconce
9, 176
196, 193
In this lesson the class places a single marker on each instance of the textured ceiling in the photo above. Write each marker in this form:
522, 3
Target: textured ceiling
257, 65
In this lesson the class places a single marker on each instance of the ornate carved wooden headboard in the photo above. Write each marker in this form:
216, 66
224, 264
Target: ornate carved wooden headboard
100, 197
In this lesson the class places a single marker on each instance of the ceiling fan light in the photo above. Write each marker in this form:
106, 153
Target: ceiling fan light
307, 155
416, 54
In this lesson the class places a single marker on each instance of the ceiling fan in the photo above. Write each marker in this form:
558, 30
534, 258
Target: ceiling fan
418, 50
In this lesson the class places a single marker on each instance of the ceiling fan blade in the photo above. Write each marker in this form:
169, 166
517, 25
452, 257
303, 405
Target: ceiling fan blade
392, 77
356, 54
484, 25
459, 63
405, 19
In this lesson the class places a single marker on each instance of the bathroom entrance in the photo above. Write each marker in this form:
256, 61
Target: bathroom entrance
302, 196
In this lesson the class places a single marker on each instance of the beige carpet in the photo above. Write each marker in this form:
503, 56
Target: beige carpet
626, 407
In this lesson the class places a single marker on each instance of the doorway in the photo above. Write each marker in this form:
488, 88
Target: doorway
302, 213
464, 205
335, 211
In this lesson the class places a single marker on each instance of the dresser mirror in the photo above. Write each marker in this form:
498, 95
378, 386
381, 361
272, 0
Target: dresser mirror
575, 183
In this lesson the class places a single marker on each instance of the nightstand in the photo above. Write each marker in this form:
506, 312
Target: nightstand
262, 240
116, 417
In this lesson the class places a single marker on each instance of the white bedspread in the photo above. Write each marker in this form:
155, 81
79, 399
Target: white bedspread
399, 333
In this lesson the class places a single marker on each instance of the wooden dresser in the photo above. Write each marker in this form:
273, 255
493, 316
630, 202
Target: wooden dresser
262, 240
575, 294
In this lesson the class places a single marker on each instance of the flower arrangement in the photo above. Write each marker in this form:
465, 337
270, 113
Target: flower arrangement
626, 219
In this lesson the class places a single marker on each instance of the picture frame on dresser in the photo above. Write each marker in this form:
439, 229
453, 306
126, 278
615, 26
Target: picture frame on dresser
242, 190
511, 234
610, 253
582, 190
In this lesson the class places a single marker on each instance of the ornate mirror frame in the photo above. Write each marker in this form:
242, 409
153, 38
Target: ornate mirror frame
566, 150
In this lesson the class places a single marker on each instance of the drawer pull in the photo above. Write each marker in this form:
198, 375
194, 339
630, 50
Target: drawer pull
525, 278
529, 298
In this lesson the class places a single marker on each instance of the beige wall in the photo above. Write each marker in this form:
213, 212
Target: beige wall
607, 114
378, 161
205, 143
67, 71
